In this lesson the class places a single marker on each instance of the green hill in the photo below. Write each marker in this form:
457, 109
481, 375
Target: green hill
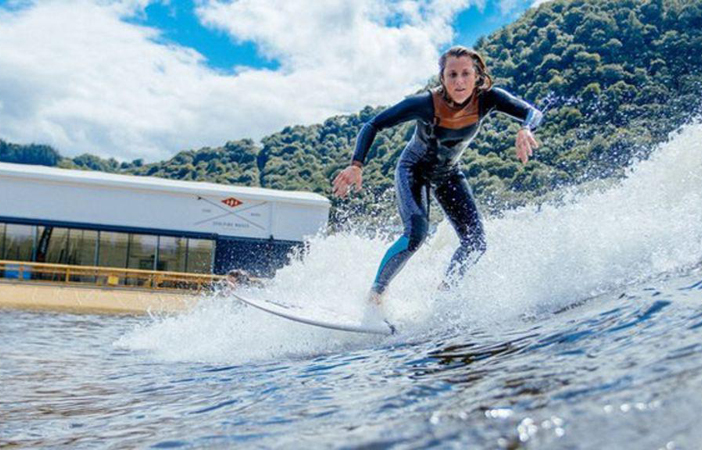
619, 76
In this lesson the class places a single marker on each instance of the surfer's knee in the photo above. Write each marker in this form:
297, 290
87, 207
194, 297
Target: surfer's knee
418, 231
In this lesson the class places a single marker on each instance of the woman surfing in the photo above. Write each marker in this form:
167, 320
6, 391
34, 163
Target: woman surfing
447, 119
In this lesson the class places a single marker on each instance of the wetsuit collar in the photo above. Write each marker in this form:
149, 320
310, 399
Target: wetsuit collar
454, 117
453, 105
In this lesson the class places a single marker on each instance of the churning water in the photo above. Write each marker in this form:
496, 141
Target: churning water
580, 328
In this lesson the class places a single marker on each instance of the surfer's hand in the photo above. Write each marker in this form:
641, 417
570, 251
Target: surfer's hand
350, 176
525, 145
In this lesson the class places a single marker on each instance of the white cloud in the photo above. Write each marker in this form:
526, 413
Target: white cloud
507, 6
539, 2
75, 75
342, 51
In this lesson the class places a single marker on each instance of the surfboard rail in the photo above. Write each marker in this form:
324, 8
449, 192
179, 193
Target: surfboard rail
286, 312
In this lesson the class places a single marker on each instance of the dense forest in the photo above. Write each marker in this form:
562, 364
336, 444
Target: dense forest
615, 77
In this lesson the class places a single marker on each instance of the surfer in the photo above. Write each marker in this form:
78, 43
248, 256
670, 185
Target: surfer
447, 119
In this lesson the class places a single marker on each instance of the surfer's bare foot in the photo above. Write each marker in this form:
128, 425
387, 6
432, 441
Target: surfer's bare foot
375, 298
373, 311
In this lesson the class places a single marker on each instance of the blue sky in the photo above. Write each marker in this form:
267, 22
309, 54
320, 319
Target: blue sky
179, 23
147, 78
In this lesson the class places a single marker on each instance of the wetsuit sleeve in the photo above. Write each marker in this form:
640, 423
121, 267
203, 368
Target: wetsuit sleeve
412, 108
500, 100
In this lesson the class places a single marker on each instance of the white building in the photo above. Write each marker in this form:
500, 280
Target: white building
100, 219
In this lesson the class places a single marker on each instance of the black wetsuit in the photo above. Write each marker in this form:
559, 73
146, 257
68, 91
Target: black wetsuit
430, 161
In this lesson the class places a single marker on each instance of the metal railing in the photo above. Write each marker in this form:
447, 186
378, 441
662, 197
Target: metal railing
105, 276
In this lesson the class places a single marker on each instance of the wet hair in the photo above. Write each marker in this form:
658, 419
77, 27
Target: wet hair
484, 81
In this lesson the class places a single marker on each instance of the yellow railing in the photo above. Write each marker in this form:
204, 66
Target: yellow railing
105, 276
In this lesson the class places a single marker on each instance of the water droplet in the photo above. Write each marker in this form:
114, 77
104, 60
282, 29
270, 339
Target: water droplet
499, 413
434, 420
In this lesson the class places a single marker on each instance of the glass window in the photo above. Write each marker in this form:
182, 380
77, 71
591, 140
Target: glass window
113, 249
200, 252
142, 256
19, 242
142, 251
2, 241
172, 253
51, 245
81, 247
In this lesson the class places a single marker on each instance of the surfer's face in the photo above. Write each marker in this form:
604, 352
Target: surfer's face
459, 78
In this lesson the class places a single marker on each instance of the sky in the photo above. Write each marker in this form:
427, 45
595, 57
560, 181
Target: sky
147, 78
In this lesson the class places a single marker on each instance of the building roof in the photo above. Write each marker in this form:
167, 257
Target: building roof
95, 178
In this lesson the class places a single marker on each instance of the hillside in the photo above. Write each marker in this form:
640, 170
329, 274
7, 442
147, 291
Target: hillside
618, 76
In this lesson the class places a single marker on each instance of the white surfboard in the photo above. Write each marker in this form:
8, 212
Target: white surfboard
324, 319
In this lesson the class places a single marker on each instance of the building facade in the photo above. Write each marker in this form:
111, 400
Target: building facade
97, 219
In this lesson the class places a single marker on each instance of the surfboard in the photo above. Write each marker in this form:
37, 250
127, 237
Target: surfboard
325, 319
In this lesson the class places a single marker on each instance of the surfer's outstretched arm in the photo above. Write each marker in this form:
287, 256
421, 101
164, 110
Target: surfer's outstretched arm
502, 101
411, 108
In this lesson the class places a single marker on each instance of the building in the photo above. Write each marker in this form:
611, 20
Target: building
88, 218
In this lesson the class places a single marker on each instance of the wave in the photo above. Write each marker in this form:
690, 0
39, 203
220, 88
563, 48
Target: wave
539, 259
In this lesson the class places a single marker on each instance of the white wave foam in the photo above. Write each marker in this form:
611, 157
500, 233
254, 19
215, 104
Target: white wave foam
649, 223
537, 259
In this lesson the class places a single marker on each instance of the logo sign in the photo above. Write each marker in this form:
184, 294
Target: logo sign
231, 202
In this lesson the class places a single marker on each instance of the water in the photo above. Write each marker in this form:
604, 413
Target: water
580, 328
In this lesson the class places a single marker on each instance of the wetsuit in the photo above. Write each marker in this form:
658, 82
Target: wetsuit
430, 161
